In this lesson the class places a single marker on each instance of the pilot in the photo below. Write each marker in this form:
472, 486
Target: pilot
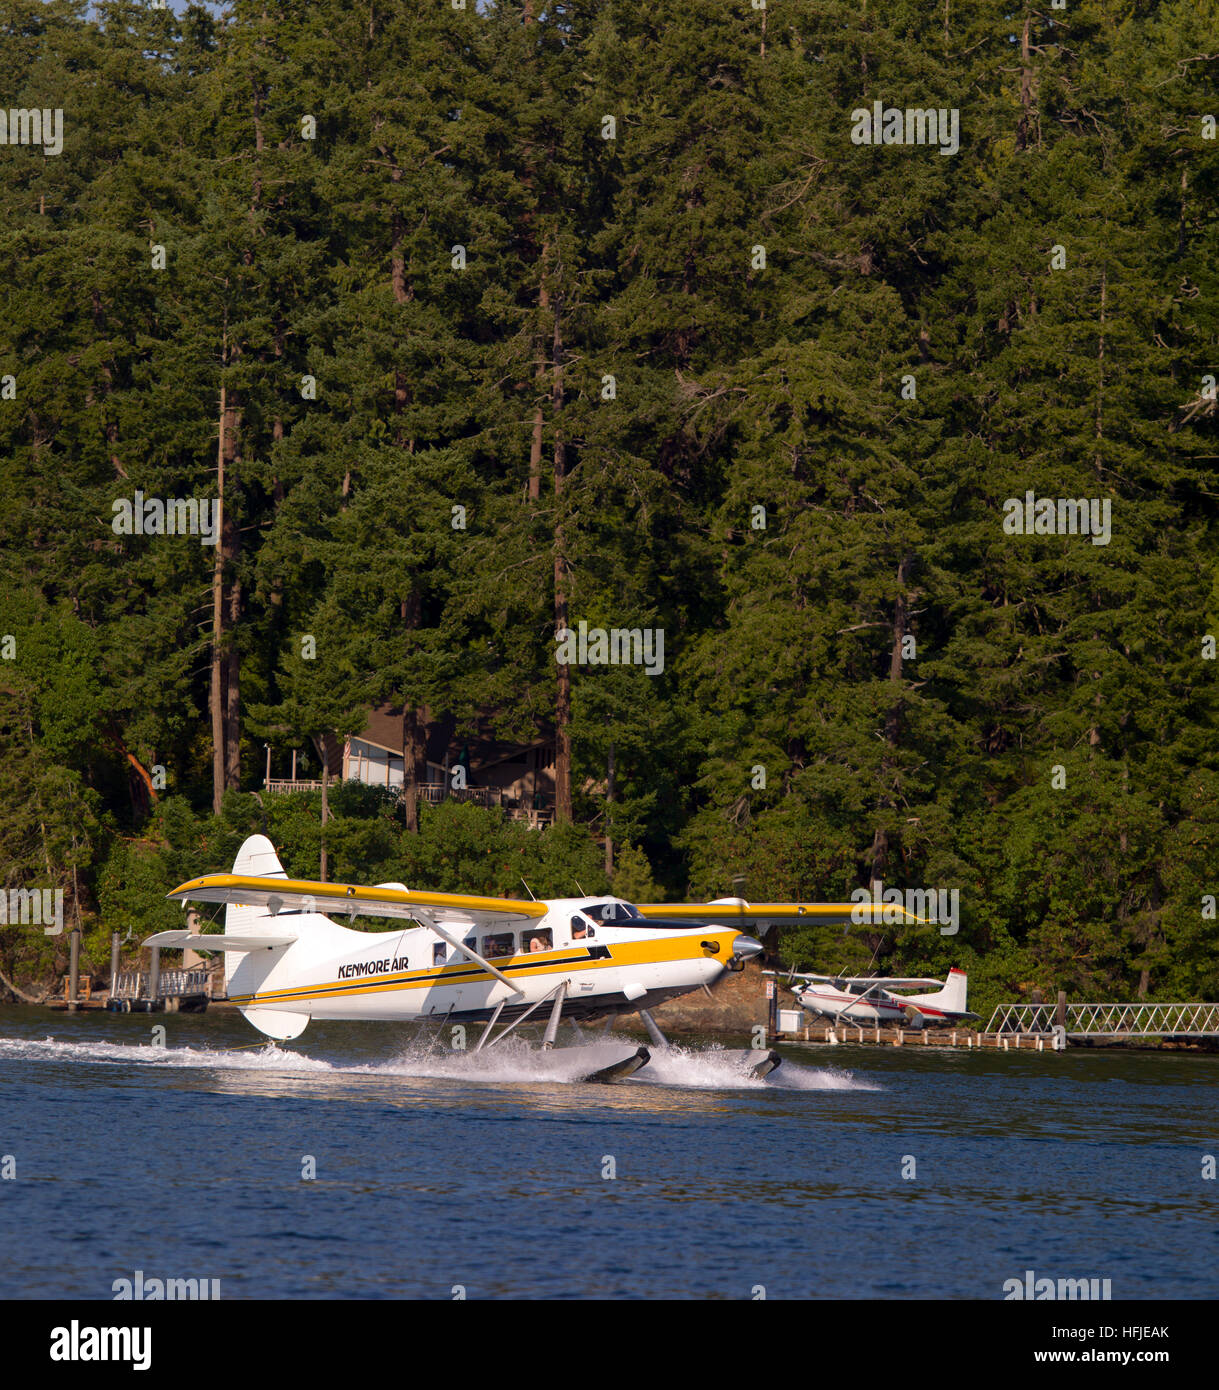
578, 929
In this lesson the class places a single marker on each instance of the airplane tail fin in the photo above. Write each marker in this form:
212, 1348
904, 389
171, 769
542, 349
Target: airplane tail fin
309, 936
951, 997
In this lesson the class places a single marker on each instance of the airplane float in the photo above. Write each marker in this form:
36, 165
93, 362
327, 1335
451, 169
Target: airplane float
465, 959
867, 999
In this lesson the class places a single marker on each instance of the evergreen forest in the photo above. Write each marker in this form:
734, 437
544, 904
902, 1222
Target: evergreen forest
467, 323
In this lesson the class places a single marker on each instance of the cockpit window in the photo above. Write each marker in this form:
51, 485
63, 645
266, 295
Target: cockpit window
582, 929
612, 912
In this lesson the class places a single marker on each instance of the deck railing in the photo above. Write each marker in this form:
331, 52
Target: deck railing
1110, 1020
133, 984
517, 808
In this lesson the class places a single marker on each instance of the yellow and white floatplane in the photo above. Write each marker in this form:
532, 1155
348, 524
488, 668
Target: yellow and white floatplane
464, 959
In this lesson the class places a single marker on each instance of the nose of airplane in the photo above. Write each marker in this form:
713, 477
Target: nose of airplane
746, 947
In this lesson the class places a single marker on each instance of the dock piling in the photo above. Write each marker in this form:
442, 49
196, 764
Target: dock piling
73, 968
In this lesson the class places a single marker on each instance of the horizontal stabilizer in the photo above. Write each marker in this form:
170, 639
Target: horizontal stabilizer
218, 942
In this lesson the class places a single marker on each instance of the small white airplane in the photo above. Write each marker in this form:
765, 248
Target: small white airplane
867, 999
468, 959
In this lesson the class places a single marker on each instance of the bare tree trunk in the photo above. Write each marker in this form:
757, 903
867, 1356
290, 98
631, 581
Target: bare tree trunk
232, 670
562, 577
1100, 368
1024, 126
535, 448
881, 845
217, 660
609, 806
322, 865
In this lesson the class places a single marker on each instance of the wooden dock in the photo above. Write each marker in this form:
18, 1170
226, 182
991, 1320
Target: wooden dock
961, 1038
967, 1039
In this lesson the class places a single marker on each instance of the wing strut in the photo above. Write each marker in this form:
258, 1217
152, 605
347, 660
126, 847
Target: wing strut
459, 945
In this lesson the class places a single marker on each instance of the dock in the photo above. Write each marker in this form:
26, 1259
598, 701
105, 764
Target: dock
1036, 1028
153, 991
818, 1035
170, 991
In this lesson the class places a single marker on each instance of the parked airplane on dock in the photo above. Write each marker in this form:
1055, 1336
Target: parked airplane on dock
464, 958
867, 999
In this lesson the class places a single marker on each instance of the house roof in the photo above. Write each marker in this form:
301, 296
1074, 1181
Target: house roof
383, 729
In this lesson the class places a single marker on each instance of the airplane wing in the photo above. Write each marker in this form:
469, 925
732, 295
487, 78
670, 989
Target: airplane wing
883, 981
352, 900
729, 912
903, 984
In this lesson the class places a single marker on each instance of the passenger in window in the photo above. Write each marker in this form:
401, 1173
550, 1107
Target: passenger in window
438, 953
540, 940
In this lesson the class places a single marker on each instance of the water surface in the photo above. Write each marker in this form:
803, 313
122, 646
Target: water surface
432, 1172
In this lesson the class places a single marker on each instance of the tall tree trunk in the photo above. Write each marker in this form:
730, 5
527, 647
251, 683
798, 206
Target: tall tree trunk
881, 845
232, 659
562, 579
609, 807
535, 447
1024, 126
414, 749
325, 754
414, 763
1100, 369
217, 658
414, 745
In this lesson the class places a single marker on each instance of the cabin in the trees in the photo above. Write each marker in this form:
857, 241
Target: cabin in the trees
476, 766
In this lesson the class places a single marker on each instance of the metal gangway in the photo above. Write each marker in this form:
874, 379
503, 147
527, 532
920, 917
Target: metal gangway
170, 984
1109, 1020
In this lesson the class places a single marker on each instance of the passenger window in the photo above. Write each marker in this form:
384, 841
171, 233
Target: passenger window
501, 944
438, 953
539, 939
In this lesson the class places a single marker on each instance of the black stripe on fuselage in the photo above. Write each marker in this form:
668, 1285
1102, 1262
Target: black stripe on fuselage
471, 972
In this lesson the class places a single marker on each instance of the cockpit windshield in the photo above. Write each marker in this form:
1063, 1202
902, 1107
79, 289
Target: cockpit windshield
612, 912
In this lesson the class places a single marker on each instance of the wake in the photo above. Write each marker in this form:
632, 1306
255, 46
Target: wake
513, 1062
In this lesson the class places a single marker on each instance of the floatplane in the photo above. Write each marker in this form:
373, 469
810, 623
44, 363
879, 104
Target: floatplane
869, 999
466, 959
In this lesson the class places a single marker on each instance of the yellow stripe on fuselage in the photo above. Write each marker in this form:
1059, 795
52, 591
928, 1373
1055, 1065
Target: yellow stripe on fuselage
649, 952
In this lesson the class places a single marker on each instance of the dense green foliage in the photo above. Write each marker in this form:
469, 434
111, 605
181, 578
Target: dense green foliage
798, 471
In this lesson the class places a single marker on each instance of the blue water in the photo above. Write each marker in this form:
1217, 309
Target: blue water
186, 1162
